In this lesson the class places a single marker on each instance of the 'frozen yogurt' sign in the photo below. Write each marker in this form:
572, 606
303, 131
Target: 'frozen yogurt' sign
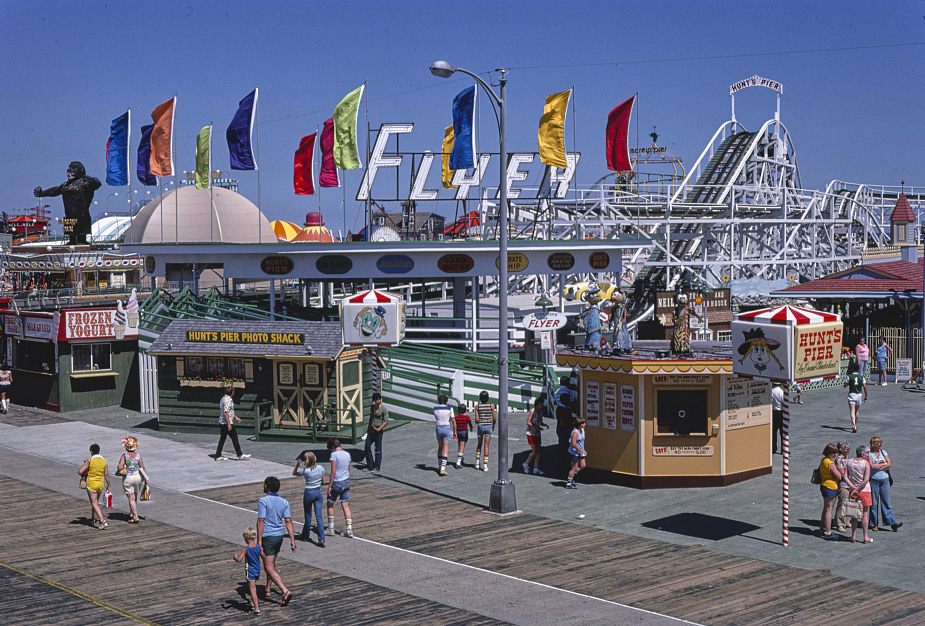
93, 324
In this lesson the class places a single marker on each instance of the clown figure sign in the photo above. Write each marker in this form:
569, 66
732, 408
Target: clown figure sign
373, 318
761, 350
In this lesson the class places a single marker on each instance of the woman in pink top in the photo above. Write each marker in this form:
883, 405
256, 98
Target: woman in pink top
863, 353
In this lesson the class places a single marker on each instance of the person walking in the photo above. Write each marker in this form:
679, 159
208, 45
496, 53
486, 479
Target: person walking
96, 472
250, 554
6, 384
485, 416
857, 475
339, 486
273, 519
777, 416
828, 487
880, 485
862, 351
132, 470
565, 399
443, 416
535, 427
857, 393
378, 418
462, 422
226, 420
312, 497
883, 352
577, 451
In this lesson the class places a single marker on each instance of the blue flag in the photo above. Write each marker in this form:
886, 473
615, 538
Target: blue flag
239, 134
463, 155
144, 157
117, 152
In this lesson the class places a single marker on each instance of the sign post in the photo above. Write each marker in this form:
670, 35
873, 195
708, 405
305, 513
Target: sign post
785, 344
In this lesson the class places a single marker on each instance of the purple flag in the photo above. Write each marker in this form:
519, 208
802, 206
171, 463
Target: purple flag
239, 134
144, 157
328, 176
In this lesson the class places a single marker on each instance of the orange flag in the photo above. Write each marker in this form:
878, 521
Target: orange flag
162, 139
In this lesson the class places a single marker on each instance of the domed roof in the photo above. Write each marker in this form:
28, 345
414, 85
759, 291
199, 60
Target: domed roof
314, 230
228, 218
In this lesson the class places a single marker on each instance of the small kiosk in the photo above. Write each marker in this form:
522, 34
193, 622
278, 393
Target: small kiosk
293, 380
657, 421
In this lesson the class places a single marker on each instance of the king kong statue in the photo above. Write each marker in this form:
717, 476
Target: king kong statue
77, 194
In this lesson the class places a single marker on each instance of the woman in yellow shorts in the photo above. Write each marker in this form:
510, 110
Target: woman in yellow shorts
97, 475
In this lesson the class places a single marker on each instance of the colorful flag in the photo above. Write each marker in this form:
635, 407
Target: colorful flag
162, 139
302, 173
447, 149
346, 154
204, 157
239, 134
552, 129
117, 151
328, 176
463, 154
143, 168
618, 137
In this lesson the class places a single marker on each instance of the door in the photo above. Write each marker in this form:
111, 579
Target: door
350, 390
287, 394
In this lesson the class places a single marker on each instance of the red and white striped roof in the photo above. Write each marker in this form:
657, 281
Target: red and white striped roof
789, 315
373, 296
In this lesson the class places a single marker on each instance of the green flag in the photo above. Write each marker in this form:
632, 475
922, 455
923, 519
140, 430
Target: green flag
346, 155
203, 157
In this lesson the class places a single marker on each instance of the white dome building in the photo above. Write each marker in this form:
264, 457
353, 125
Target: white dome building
186, 215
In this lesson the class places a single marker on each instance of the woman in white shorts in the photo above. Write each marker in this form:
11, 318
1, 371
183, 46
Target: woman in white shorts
134, 475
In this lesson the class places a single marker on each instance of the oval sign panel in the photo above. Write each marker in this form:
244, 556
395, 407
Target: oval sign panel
334, 264
276, 265
150, 265
599, 260
455, 263
395, 264
550, 320
561, 261
516, 262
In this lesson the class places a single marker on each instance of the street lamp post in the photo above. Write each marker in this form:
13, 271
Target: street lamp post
502, 498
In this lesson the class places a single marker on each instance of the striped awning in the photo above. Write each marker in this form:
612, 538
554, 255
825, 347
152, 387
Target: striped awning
373, 296
787, 315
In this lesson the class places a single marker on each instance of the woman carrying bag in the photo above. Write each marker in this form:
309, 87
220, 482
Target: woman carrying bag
134, 479
96, 473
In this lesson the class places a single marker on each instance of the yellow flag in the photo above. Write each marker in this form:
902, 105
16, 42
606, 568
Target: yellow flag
552, 130
447, 149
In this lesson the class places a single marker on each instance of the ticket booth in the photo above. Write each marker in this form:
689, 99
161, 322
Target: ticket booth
655, 421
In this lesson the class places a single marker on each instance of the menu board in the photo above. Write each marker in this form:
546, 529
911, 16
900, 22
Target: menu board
610, 406
748, 403
593, 404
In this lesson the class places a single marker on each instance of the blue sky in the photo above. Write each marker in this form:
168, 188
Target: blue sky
853, 77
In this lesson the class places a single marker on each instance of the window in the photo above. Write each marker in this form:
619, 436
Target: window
681, 411
91, 357
216, 366
236, 368
194, 366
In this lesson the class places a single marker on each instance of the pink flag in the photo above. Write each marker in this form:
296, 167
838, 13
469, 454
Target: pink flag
618, 149
328, 177
302, 170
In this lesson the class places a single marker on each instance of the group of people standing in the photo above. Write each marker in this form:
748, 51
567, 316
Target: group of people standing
856, 490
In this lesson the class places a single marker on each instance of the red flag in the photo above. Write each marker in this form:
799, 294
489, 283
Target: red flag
302, 170
328, 176
618, 148
162, 139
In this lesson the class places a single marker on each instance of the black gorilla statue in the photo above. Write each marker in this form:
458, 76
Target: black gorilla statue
77, 194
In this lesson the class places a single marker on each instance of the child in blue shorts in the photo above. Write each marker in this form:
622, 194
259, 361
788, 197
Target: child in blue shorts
251, 554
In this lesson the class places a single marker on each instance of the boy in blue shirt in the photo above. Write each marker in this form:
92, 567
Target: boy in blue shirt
251, 553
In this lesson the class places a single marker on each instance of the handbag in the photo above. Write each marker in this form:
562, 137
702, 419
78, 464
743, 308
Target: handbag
145, 493
83, 482
106, 499
122, 472
852, 508
889, 475
817, 477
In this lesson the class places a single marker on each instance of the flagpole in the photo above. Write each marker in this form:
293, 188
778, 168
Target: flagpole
369, 210
575, 149
257, 158
211, 193
318, 133
176, 189
128, 167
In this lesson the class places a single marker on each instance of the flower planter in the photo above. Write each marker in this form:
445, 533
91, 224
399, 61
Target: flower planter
185, 382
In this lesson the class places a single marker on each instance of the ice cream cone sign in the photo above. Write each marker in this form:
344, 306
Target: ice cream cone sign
131, 310
118, 321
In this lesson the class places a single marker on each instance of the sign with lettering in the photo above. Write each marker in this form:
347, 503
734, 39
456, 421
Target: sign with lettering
94, 324
334, 264
682, 451
276, 265
903, 370
286, 373
455, 263
561, 261
395, 264
747, 403
682, 379
628, 408
38, 327
548, 320
599, 260
756, 81
236, 336
516, 262
610, 406
12, 325
593, 403
816, 350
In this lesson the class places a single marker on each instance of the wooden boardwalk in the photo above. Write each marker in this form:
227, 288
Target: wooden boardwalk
688, 582
56, 569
